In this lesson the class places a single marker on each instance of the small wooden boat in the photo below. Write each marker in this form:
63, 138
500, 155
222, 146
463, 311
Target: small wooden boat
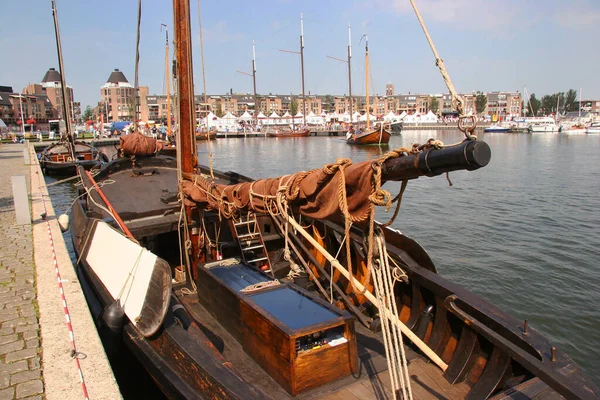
283, 132
378, 135
58, 159
206, 135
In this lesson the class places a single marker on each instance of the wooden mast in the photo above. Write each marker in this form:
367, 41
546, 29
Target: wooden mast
302, 68
349, 70
64, 90
167, 81
254, 83
185, 85
367, 75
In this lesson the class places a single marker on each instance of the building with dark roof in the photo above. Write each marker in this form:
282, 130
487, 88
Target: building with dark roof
51, 87
117, 99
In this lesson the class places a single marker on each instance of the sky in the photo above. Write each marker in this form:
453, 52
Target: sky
544, 46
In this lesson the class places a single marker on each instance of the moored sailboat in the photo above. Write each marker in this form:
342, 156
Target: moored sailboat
226, 317
63, 157
380, 134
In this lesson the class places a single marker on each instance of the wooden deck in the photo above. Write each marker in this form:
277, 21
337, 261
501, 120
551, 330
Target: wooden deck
426, 382
371, 382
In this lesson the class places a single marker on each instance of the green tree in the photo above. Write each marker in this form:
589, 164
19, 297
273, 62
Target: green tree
571, 103
327, 103
547, 104
219, 111
434, 104
534, 104
480, 102
293, 107
87, 114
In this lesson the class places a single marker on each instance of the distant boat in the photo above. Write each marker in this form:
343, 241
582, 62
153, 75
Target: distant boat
573, 127
205, 135
594, 128
282, 132
382, 132
543, 124
396, 124
497, 128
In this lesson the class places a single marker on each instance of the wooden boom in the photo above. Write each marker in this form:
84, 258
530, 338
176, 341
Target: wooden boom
469, 155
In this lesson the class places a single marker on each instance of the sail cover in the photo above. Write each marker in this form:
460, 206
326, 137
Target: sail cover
317, 194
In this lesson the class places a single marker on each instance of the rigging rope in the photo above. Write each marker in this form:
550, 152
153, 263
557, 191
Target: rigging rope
466, 124
210, 155
392, 336
137, 63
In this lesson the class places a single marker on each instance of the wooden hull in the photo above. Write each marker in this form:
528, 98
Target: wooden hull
194, 355
212, 135
376, 137
56, 159
289, 134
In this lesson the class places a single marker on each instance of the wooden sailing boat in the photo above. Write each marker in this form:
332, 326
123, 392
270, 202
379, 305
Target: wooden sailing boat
255, 306
380, 133
63, 157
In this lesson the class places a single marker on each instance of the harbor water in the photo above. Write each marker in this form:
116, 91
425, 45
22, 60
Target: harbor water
523, 232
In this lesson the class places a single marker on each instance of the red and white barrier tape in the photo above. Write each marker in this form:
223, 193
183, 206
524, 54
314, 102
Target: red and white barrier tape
74, 352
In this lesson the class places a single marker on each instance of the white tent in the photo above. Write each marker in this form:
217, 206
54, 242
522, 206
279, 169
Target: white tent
299, 118
430, 117
355, 116
389, 116
261, 116
345, 117
314, 119
273, 118
332, 116
229, 120
372, 118
412, 118
286, 115
212, 120
245, 116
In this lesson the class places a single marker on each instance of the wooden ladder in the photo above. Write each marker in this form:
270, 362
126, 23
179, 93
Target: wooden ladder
251, 242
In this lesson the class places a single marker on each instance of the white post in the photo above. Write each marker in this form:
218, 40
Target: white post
22, 116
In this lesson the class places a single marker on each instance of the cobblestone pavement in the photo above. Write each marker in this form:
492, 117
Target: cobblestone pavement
20, 351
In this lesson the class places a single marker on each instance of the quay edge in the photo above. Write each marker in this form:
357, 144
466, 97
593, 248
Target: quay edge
60, 373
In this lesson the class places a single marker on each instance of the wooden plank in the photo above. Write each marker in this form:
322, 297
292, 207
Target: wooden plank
464, 356
361, 391
493, 374
454, 391
441, 329
415, 305
343, 394
423, 380
380, 385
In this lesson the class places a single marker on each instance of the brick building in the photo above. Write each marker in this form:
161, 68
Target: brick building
118, 99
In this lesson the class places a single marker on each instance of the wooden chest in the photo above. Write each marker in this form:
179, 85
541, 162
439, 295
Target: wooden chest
302, 341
